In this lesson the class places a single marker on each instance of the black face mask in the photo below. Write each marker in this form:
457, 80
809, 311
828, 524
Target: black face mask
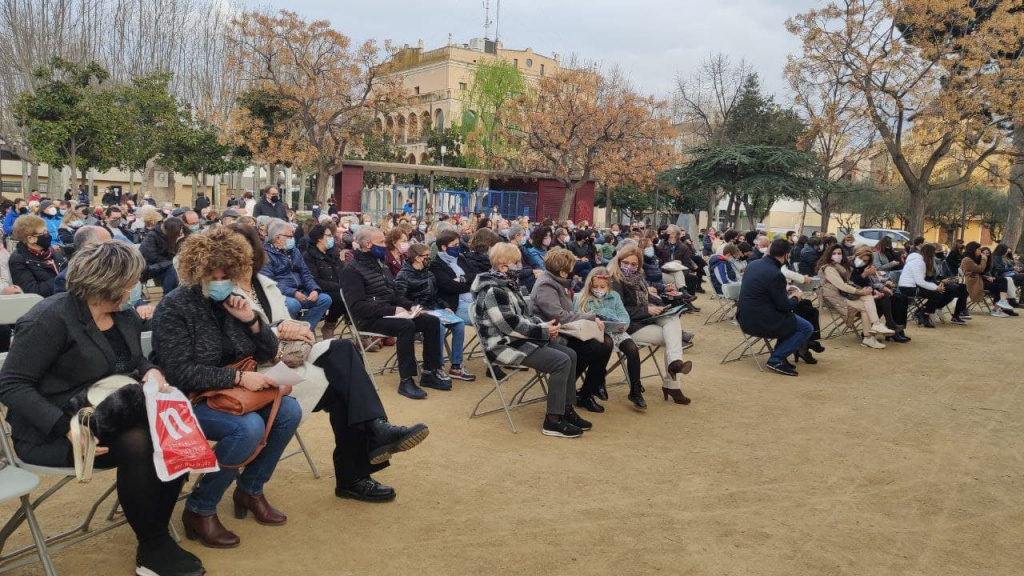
44, 240
273, 199
23, 210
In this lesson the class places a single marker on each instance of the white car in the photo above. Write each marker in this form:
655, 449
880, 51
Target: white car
871, 236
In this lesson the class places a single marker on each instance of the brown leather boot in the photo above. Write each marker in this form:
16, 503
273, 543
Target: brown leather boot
327, 330
208, 530
261, 509
679, 367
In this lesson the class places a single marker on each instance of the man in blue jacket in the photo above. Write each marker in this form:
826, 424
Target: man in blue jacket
765, 309
20, 207
286, 266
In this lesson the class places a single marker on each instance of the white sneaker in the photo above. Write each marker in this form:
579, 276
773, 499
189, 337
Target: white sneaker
999, 313
870, 342
1004, 305
882, 329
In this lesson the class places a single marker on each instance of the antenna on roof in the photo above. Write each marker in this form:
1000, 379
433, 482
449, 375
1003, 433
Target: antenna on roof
497, 21
487, 19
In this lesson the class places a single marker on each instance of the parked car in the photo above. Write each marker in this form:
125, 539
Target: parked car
871, 236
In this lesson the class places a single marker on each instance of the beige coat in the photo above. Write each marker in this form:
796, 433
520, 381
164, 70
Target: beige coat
973, 275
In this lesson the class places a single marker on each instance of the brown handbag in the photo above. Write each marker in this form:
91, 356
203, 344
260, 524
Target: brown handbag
239, 401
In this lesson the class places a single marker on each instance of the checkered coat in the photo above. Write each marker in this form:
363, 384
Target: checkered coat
509, 334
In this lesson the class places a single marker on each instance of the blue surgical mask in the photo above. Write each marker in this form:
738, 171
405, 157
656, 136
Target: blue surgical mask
522, 242
134, 297
330, 242
505, 232
649, 252
422, 227
289, 245
76, 223
219, 290
193, 228
354, 227
454, 251
379, 252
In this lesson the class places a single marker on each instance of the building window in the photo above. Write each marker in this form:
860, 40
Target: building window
529, 62
515, 62
416, 90
541, 69
462, 85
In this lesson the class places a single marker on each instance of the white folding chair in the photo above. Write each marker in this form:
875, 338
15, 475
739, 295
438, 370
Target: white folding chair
14, 306
391, 364
518, 398
750, 347
18, 483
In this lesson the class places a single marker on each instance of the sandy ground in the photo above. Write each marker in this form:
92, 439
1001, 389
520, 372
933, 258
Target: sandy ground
904, 461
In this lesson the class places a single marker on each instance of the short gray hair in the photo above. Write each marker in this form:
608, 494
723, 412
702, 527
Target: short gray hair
672, 229
276, 227
364, 236
104, 271
515, 230
88, 235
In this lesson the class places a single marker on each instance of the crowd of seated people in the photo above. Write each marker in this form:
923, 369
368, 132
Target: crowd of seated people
561, 298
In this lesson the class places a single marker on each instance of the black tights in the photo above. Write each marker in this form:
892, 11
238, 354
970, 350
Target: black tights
632, 354
147, 501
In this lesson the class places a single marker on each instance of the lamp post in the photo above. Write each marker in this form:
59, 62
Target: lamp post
963, 214
444, 150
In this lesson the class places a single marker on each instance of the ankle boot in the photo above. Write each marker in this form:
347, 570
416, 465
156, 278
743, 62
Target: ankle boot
677, 395
637, 397
327, 330
208, 530
261, 509
679, 367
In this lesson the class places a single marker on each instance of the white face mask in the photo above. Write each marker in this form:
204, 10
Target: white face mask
860, 263
599, 293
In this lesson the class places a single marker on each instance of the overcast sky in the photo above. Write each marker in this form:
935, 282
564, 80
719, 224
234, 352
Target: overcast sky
652, 40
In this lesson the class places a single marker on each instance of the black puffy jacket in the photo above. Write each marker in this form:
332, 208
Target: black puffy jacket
419, 286
33, 274
369, 289
325, 268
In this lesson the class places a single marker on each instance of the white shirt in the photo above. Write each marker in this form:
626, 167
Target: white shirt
914, 272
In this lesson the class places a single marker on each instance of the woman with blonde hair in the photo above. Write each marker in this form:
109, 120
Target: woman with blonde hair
201, 332
644, 307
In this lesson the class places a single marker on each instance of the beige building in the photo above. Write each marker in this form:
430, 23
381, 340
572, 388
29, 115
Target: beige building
437, 81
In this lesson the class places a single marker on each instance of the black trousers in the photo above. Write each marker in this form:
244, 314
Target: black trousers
935, 300
351, 402
899, 304
404, 330
337, 310
591, 356
809, 312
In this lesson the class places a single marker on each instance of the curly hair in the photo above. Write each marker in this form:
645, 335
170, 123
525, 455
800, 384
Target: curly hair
394, 238
559, 260
221, 249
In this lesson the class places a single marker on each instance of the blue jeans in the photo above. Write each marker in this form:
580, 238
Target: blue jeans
458, 341
237, 438
314, 310
788, 345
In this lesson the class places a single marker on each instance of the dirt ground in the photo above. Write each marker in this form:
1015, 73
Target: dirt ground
905, 461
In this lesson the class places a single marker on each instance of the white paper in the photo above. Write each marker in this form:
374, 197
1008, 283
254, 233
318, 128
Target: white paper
408, 315
282, 375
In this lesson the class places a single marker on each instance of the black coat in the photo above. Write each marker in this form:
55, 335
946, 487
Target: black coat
449, 288
264, 208
420, 286
369, 289
808, 259
154, 250
58, 353
201, 202
33, 274
474, 263
764, 309
325, 267
194, 338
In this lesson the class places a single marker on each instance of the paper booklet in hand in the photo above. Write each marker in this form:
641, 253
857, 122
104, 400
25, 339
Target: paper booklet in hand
409, 314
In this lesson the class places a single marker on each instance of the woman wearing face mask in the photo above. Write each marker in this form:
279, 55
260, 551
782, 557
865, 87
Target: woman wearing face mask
834, 270
628, 282
891, 304
977, 267
64, 345
417, 233
848, 246
540, 243
397, 243
512, 337
69, 224
199, 329
325, 265
50, 214
34, 263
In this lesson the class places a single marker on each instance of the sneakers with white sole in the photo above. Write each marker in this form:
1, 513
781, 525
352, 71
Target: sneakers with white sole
882, 329
872, 343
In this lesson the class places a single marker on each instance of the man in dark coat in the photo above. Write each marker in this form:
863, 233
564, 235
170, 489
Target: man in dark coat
270, 205
765, 309
809, 257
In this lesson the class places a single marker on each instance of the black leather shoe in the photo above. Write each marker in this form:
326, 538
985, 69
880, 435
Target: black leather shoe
409, 389
386, 439
637, 398
431, 380
589, 404
816, 346
602, 393
804, 355
366, 490
164, 556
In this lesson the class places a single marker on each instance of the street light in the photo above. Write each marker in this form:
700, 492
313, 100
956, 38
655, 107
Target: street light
444, 150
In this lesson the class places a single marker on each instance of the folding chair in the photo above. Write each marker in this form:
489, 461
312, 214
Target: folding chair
748, 348
727, 301
14, 306
18, 483
647, 352
518, 398
391, 364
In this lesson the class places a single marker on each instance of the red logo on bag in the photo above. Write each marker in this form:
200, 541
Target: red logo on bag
181, 440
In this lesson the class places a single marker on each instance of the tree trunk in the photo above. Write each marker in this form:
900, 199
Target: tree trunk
918, 197
569, 200
324, 184
728, 212
1015, 193
55, 181
607, 207
803, 219
712, 208
826, 215
33, 180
